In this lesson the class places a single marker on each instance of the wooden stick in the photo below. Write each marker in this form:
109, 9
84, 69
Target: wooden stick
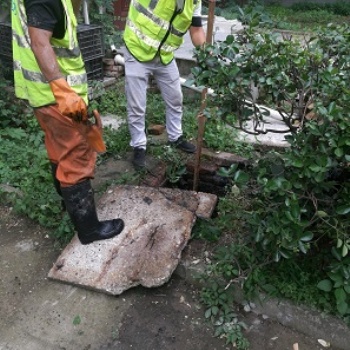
210, 26
200, 116
296, 346
201, 127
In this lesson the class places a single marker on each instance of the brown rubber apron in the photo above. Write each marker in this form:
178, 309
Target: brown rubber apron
66, 146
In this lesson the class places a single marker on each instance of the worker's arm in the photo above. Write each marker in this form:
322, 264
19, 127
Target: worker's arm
43, 52
69, 103
197, 36
196, 29
45, 19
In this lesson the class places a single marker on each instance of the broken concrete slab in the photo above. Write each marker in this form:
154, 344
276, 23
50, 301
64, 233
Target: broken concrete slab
158, 224
206, 202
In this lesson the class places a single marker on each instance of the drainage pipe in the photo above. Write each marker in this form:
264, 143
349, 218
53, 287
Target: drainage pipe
86, 12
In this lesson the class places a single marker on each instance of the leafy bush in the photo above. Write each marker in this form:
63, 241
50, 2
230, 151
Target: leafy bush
298, 199
340, 8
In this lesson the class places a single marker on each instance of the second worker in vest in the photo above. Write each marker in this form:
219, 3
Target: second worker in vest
154, 30
49, 73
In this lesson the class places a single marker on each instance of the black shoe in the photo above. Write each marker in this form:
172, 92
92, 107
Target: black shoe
183, 145
139, 160
79, 200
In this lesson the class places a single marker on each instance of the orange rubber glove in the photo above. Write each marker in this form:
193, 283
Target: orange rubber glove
69, 102
94, 134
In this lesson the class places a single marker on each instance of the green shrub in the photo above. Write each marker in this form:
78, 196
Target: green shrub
296, 200
340, 8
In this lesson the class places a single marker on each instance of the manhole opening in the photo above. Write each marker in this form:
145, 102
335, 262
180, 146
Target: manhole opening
209, 183
209, 179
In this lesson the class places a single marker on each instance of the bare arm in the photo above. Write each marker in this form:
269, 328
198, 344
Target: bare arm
197, 36
44, 54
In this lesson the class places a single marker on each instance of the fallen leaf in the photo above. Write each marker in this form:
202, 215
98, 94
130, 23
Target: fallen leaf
183, 301
324, 343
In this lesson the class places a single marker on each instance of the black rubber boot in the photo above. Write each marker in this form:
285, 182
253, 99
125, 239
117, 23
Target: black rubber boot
81, 208
57, 184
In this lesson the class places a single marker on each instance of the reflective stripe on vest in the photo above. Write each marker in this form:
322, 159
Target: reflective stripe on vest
30, 83
157, 27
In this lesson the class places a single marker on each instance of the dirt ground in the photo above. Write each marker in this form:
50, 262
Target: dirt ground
41, 314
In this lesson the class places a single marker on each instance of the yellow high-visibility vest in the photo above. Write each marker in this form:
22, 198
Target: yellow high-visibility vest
30, 83
157, 27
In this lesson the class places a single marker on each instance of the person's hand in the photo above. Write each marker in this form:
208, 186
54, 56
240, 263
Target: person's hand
68, 101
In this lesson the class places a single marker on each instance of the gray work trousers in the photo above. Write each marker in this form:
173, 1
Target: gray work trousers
136, 82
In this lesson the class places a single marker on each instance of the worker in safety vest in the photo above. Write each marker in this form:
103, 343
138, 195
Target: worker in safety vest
154, 30
49, 73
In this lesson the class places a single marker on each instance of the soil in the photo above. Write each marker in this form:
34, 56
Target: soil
38, 313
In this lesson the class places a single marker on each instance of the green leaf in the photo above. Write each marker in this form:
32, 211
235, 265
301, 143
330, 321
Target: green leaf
307, 237
285, 253
325, 285
342, 307
77, 320
297, 163
340, 295
339, 152
214, 310
336, 277
295, 210
321, 214
289, 216
208, 313
339, 243
302, 247
241, 177
343, 210
277, 256
335, 253
269, 288
315, 168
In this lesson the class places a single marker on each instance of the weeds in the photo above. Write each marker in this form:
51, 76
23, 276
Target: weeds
219, 303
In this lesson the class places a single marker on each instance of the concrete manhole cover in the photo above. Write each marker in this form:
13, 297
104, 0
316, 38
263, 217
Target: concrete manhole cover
158, 224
